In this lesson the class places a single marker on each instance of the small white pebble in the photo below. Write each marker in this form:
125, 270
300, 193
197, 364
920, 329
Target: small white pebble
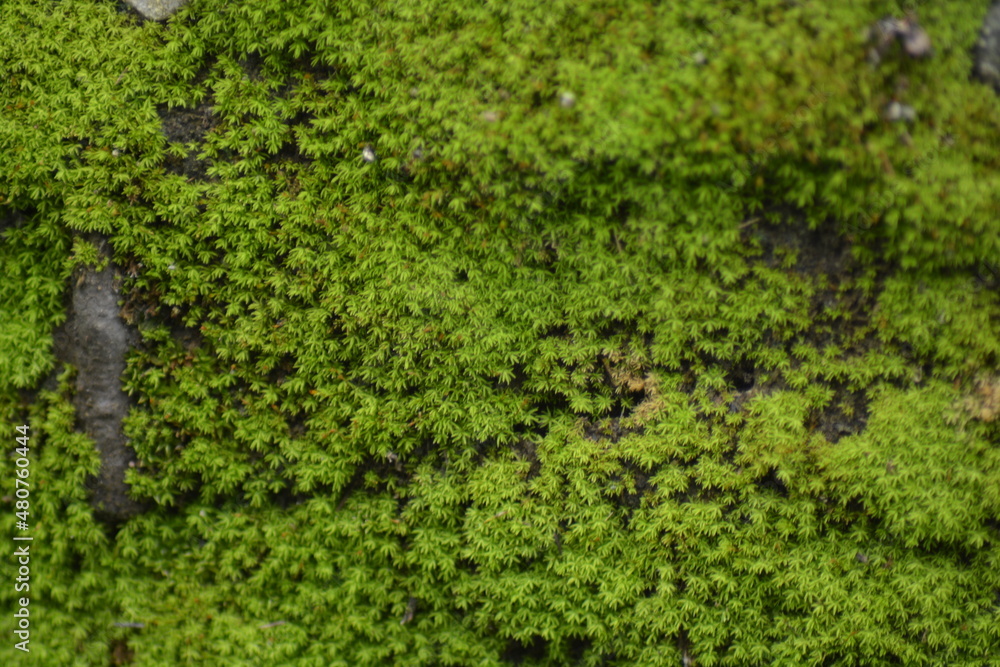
896, 112
915, 40
368, 153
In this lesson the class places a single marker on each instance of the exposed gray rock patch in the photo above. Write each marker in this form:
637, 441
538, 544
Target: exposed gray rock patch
156, 10
987, 67
95, 340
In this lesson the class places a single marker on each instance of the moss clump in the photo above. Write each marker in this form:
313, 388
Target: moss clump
592, 333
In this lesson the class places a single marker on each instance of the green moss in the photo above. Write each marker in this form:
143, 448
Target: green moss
643, 336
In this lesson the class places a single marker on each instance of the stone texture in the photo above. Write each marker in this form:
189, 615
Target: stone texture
95, 340
987, 67
156, 10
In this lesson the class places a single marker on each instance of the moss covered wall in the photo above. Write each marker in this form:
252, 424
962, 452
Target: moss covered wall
597, 333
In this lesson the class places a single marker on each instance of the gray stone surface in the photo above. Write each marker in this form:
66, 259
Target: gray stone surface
987, 66
95, 340
156, 10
